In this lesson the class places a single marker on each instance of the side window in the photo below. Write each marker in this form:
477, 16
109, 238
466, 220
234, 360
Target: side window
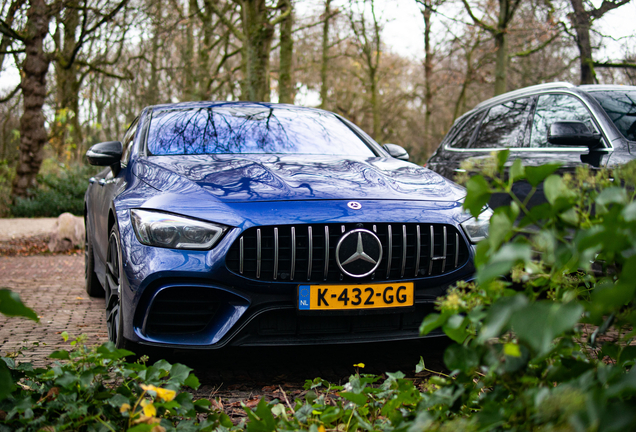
128, 140
463, 137
505, 125
553, 108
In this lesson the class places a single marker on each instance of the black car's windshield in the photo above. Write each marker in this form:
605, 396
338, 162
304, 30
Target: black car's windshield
251, 129
620, 105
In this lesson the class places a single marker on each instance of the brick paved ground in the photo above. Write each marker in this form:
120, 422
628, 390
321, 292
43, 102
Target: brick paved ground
53, 286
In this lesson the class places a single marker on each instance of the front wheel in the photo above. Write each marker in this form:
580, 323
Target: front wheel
93, 286
114, 317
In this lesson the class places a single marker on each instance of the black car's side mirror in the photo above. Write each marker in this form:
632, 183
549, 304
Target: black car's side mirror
396, 151
106, 154
572, 133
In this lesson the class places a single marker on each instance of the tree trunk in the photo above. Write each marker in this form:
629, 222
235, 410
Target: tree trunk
189, 73
66, 130
428, 74
501, 46
259, 33
285, 78
33, 85
581, 22
324, 67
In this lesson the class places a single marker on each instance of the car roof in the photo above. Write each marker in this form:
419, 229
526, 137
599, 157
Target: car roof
234, 104
524, 91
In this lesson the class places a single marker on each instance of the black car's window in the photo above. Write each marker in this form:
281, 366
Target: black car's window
128, 140
251, 129
620, 106
553, 108
463, 137
504, 125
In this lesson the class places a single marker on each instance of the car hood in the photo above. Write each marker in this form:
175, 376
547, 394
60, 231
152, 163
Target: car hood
241, 178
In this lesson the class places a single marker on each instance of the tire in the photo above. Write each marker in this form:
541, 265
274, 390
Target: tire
93, 287
114, 318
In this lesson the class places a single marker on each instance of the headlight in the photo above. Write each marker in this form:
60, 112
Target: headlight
477, 229
176, 232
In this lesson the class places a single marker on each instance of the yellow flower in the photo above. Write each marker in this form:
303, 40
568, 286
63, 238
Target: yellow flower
165, 394
149, 408
321, 428
360, 365
124, 408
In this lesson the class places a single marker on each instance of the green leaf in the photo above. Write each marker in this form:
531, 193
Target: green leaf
555, 189
499, 316
179, 373
60, 355
500, 228
431, 322
613, 195
11, 305
539, 323
537, 174
261, 419
357, 398
517, 171
455, 328
503, 260
420, 366
477, 194
67, 380
6, 382
502, 158
460, 357
302, 414
512, 349
192, 381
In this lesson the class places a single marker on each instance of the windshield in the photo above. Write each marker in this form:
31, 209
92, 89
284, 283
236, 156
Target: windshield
620, 105
251, 129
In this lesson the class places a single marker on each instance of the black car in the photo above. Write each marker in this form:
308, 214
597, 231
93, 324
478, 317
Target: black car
555, 122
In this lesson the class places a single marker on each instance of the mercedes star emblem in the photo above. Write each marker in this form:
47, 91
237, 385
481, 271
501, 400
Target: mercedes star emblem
358, 253
353, 205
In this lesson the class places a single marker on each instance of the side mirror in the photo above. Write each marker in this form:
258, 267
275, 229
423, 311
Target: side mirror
396, 151
572, 133
106, 154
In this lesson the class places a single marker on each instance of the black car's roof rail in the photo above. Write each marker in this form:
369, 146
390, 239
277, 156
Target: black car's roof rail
525, 90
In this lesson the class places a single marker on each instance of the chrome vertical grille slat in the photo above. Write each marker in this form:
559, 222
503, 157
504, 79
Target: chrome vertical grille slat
293, 253
326, 273
418, 242
258, 253
279, 253
275, 253
389, 251
242, 254
310, 246
430, 257
403, 251
445, 247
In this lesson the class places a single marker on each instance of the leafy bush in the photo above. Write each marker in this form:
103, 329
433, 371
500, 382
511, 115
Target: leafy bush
60, 190
96, 390
6, 178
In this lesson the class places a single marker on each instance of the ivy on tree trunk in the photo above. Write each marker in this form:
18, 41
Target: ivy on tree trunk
33, 134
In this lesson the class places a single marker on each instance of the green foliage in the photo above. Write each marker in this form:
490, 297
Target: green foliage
96, 390
61, 189
6, 178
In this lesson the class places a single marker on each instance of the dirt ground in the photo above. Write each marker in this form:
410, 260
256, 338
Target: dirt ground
53, 285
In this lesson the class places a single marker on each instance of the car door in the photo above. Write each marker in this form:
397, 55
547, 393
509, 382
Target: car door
106, 187
502, 126
556, 107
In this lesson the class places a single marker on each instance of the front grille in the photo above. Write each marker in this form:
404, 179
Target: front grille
182, 310
307, 252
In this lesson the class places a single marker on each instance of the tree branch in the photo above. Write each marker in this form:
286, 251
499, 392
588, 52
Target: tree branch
8, 97
7, 31
606, 6
476, 20
615, 65
236, 32
538, 48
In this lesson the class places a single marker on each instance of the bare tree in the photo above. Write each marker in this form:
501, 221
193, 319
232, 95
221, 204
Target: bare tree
582, 19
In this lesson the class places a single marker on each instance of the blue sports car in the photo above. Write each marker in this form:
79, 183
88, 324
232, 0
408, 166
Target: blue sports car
253, 224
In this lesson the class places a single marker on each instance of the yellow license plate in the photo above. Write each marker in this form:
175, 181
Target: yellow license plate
342, 297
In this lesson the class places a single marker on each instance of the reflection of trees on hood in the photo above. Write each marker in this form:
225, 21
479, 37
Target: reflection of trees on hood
251, 129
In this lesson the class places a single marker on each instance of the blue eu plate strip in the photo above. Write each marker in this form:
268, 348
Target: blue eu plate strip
303, 297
